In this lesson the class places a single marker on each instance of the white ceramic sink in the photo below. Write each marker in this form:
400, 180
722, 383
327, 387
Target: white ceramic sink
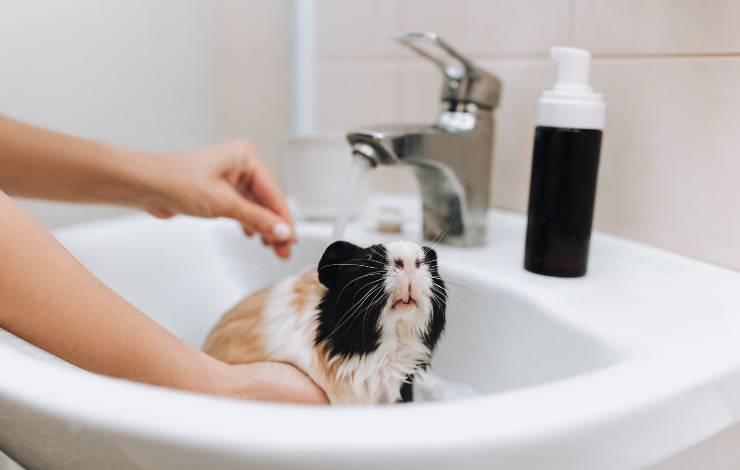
621, 369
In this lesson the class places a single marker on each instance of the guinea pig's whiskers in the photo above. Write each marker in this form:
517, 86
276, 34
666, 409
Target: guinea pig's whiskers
462, 286
371, 288
382, 256
378, 296
355, 280
444, 233
355, 312
457, 309
367, 260
436, 300
438, 289
375, 284
452, 306
364, 291
375, 288
350, 264
376, 251
450, 302
440, 297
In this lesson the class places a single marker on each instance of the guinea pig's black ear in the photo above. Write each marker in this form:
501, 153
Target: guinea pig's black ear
430, 257
335, 256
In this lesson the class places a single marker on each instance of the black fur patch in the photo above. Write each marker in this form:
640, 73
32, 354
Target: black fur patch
439, 300
407, 390
349, 311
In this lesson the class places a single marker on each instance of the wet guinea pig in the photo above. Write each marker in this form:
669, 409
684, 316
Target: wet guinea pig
361, 326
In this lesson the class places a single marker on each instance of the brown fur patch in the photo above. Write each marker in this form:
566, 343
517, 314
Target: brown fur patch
238, 337
329, 379
307, 290
307, 293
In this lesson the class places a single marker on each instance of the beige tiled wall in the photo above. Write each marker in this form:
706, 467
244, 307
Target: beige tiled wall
670, 70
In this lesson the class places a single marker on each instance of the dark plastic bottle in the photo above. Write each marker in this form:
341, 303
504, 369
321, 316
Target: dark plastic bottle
565, 164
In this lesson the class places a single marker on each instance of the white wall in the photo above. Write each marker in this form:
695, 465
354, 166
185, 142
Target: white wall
138, 73
253, 73
149, 74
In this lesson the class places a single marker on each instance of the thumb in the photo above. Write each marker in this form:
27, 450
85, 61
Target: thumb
264, 221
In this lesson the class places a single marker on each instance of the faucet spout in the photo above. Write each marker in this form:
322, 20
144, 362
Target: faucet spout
453, 182
452, 157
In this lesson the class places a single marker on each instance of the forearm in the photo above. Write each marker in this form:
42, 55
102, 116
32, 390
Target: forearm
37, 163
50, 300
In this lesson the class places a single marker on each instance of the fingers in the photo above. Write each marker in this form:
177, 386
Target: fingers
260, 182
161, 213
285, 383
257, 219
282, 250
261, 207
272, 381
248, 231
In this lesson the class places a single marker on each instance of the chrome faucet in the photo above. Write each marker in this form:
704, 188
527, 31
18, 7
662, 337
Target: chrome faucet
452, 158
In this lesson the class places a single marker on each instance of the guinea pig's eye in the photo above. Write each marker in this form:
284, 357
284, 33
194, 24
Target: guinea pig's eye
418, 263
368, 257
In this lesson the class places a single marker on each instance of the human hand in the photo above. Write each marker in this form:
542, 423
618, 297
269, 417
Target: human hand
270, 381
227, 180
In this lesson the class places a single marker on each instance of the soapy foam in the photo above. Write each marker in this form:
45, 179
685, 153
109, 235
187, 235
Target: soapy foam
429, 387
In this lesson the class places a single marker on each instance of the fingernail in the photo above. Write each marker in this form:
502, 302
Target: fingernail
282, 231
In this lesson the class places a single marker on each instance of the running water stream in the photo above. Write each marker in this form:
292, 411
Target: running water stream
360, 166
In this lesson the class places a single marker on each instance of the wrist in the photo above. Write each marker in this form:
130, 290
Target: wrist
144, 180
242, 381
205, 374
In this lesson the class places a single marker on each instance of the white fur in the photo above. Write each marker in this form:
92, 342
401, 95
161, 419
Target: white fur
289, 334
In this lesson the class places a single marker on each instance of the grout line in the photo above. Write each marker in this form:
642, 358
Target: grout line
665, 55
403, 60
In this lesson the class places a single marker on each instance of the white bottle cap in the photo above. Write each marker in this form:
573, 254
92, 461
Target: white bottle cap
572, 103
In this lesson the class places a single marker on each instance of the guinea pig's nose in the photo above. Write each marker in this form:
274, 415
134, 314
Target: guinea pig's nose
407, 266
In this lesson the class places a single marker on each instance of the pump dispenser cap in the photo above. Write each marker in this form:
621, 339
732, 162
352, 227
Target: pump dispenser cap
572, 103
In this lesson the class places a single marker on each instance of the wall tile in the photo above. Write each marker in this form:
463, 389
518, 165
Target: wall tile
670, 165
657, 26
393, 179
356, 28
356, 94
419, 91
523, 82
491, 27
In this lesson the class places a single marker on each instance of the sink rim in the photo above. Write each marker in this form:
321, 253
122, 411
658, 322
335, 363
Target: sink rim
498, 421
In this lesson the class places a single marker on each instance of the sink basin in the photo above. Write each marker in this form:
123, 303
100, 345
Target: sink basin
624, 368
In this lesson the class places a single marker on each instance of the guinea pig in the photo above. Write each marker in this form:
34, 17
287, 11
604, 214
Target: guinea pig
361, 326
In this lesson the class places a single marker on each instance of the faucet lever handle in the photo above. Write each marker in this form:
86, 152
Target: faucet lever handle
429, 45
464, 81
